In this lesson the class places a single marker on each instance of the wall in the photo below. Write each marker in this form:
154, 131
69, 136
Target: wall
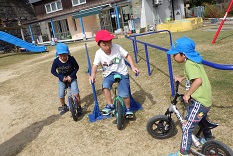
89, 23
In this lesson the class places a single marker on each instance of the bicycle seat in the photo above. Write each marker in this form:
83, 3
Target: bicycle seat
206, 124
117, 78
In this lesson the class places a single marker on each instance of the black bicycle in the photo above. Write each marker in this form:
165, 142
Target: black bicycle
162, 127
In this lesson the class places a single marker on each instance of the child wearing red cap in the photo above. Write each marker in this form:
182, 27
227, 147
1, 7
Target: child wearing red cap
198, 95
112, 56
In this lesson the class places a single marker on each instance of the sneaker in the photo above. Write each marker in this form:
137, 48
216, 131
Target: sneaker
129, 113
177, 154
60, 108
108, 109
202, 140
80, 111
63, 109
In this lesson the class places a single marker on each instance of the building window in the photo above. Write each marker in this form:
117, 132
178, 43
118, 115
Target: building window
78, 2
53, 7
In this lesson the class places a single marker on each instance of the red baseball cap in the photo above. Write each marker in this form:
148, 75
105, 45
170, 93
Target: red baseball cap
103, 35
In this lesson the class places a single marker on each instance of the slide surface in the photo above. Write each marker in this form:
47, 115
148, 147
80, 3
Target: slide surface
21, 43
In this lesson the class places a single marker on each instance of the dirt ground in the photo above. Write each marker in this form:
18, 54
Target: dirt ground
32, 126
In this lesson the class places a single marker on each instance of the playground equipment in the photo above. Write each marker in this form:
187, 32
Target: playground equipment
96, 115
135, 49
223, 20
21, 43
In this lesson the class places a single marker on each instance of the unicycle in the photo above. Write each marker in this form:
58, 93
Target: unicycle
162, 127
72, 103
119, 106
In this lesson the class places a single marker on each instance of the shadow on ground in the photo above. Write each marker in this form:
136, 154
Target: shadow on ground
17, 143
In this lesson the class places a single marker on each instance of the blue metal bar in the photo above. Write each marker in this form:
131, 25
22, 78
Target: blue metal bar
136, 46
171, 74
147, 60
218, 66
96, 115
89, 69
81, 22
135, 50
211, 64
54, 34
30, 29
117, 16
133, 38
170, 69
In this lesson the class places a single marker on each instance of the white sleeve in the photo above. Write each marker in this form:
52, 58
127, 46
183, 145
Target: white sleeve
123, 52
97, 58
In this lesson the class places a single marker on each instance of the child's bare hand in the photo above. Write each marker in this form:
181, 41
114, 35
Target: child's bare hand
92, 79
186, 98
180, 79
69, 79
64, 79
135, 70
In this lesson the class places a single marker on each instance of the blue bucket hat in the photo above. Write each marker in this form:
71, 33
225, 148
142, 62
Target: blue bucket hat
62, 48
187, 46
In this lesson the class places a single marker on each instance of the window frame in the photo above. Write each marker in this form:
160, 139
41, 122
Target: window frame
78, 3
50, 6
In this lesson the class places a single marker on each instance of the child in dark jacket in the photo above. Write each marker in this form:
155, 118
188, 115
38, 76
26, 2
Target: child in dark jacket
65, 68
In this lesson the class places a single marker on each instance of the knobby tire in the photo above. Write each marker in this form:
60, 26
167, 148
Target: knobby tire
160, 127
73, 109
215, 147
120, 115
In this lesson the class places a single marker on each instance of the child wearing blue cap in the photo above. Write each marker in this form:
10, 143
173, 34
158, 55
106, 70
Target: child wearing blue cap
198, 95
65, 68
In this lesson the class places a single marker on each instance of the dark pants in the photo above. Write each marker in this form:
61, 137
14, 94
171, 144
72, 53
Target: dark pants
195, 112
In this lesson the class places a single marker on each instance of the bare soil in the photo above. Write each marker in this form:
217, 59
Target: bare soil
32, 126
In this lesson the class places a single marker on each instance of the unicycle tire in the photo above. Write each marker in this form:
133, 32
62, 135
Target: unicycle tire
215, 147
73, 109
119, 115
161, 127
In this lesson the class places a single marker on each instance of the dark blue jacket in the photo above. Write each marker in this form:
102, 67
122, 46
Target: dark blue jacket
61, 70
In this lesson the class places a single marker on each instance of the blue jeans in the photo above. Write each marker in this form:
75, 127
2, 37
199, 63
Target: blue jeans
195, 112
62, 87
123, 87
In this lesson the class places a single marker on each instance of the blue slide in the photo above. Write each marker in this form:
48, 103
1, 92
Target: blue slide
21, 43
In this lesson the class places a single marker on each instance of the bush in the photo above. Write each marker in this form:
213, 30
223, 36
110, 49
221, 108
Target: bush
213, 11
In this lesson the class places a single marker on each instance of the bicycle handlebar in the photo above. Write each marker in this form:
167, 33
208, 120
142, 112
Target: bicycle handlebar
177, 86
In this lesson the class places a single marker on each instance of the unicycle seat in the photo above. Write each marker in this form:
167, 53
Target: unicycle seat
117, 78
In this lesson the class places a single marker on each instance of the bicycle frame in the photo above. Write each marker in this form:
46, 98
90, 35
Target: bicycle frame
163, 127
173, 109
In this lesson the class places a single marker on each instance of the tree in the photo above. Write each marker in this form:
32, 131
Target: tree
194, 3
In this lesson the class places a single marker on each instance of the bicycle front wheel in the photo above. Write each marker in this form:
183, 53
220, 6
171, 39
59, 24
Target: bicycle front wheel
160, 127
119, 115
73, 108
214, 147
